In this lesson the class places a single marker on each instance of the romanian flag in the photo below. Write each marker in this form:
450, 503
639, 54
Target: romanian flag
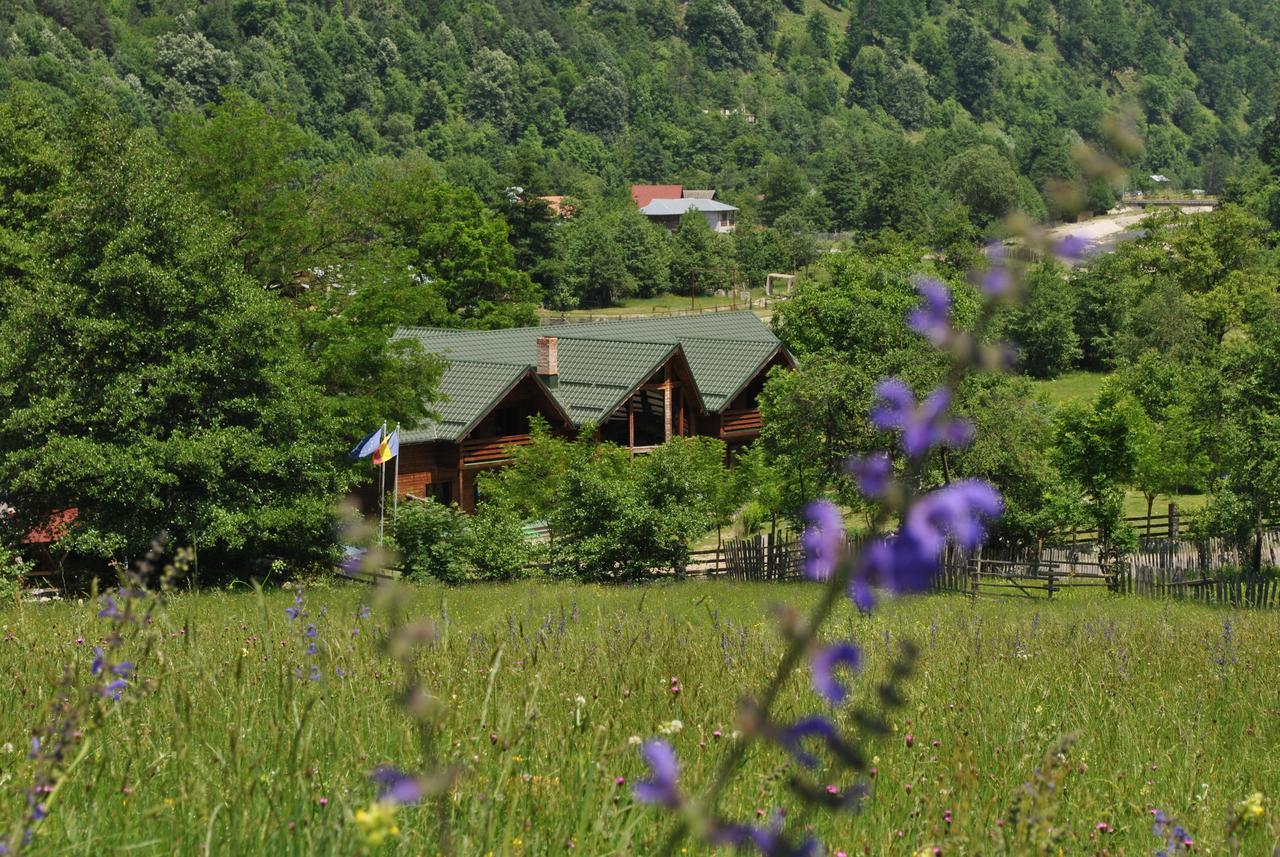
388, 449
369, 445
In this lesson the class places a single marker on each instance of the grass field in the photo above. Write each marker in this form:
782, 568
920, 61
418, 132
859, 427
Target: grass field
1175, 707
1073, 388
666, 302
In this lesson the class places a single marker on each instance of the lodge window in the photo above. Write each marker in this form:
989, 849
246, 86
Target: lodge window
442, 492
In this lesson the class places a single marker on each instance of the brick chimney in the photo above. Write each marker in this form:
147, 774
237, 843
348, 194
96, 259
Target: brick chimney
548, 361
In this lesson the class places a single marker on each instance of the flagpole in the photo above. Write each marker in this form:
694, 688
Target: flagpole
382, 492
395, 483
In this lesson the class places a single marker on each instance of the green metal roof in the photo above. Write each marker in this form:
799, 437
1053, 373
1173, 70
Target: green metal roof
600, 363
471, 388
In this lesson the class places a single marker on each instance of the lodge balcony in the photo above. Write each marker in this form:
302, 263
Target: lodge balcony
484, 452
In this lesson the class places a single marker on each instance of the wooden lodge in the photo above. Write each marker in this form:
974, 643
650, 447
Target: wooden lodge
639, 382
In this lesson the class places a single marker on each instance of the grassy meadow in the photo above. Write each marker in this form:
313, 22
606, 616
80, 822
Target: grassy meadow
221, 749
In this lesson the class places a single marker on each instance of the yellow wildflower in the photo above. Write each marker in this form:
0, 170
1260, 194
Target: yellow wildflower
377, 823
1251, 807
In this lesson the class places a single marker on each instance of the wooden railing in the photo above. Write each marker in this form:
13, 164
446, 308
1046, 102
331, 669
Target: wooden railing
740, 422
489, 451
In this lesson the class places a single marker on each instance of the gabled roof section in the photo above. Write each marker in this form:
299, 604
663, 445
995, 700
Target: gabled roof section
644, 194
600, 364
472, 389
723, 367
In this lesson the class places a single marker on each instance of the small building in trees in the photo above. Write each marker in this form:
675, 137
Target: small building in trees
666, 204
638, 383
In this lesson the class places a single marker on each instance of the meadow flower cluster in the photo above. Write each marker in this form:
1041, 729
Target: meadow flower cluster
899, 562
78, 706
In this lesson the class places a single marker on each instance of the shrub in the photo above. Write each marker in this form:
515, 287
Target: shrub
497, 547
432, 539
13, 568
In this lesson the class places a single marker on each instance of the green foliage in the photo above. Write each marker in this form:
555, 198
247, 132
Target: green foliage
433, 541
1042, 326
496, 545
148, 382
700, 259
1013, 450
1095, 448
609, 251
984, 180
13, 571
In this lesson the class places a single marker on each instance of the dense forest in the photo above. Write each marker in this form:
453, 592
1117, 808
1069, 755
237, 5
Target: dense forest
854, 115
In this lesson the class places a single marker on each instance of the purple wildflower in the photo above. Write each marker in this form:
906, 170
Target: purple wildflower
110, 610
363, 612
312, 649
1071, 247
956, 511
872, 473
908, 560
114, 689
311, 631
296, 610
315, 673
793, 737
769, 840
932, 319
122, 669
98, 659
821, 540
823, 666
397, 786
923, 426
996, 281
661, 787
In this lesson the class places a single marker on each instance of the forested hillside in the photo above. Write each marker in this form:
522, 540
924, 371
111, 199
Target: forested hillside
892, 112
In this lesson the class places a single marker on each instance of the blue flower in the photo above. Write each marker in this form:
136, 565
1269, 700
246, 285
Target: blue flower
110, 610
122, 669
923, 426
98, 659
315, 673
822, 539
793, 737
872, 473
1071, 247
823, 666
932, 319
908, 560
661, 787
397, 786
768, 840
312, 649
115, 688
956, 511
311, 631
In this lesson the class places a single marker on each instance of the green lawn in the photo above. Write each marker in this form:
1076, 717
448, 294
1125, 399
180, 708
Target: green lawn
664, 303
1074, 387
542, 687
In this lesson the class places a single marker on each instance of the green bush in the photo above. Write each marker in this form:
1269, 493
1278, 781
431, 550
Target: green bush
432, 539
497, 547
13, 568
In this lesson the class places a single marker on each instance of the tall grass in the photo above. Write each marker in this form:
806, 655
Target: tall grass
1175, 706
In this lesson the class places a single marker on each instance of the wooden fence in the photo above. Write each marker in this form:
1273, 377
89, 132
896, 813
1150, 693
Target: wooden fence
1207, 570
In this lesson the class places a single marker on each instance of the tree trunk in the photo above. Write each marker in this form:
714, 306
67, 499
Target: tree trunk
1151, 501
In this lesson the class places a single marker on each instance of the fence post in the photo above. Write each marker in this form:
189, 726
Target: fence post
1173, 520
